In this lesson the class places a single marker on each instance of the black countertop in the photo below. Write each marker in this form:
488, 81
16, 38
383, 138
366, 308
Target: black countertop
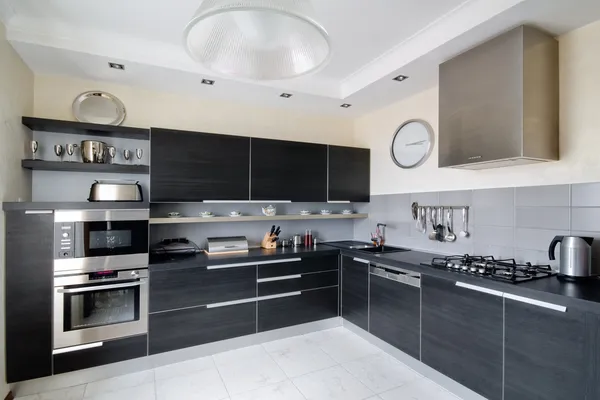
80, 205
584, 295
252, 256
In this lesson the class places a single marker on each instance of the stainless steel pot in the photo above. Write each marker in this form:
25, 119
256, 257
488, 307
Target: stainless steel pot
297, 240
93, 151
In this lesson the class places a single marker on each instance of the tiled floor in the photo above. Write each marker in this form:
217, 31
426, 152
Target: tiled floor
331, 364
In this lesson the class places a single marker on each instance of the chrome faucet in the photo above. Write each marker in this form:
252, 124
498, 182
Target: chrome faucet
378, 238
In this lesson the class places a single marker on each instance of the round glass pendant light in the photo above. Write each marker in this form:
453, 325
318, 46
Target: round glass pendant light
257, 39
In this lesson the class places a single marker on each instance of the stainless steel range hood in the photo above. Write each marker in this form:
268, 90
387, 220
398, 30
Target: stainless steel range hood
499, 102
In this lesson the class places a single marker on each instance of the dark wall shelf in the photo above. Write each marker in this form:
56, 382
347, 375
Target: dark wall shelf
42, 165
84, 128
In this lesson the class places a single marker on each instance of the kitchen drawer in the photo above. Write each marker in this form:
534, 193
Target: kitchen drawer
174, 330
180, 288
308, 264
308, 306
110, 352
293, 283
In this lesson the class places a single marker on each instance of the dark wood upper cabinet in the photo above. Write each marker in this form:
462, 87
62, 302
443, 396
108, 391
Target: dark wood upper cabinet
546, 353
461, 334
195, 166
349, 174
29, 284
293, 171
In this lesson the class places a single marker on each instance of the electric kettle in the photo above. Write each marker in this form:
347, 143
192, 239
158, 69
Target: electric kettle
575, 256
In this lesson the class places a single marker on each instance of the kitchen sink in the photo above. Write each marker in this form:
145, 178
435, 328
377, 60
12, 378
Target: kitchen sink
383, 249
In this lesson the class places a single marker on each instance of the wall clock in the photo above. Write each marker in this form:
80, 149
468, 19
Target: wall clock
412, 143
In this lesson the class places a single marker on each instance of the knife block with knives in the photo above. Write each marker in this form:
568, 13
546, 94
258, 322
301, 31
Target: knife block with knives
270, 239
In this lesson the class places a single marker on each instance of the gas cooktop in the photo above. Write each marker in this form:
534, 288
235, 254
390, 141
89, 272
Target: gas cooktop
506, 270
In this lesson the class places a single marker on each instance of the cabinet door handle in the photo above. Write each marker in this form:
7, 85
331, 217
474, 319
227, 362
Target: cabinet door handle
278, 278
225, 201
101, 287
269, 201
360, 260
77, 348
223, 266
38, 211
338, 201
479, 289
538, 303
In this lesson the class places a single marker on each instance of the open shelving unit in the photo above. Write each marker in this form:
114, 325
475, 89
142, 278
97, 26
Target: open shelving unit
84, 128
253, 218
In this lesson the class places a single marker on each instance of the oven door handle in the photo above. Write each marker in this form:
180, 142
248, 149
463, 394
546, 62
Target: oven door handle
101, 287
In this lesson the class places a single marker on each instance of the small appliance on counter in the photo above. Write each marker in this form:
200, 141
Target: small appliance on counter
174, 247
575, 256
226, 245
116, 190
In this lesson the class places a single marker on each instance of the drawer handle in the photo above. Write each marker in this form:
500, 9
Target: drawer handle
360, 260
223, 266
338, 201
77, 348
38, 212
278, 296
231, 303
479, 289
278, 278
538, 303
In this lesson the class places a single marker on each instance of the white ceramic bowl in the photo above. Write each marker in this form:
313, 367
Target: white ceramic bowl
347, 212
325, 212
206, 214
174, 215
304, 212
235, 214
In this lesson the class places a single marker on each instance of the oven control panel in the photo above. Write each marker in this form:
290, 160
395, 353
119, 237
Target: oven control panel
64, 237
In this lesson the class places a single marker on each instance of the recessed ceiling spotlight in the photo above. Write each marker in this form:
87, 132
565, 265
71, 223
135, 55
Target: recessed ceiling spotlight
401, 78
208, 82
346, 105
285, 95
117, 66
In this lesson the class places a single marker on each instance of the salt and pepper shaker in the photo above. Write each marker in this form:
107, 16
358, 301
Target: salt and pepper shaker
308, 238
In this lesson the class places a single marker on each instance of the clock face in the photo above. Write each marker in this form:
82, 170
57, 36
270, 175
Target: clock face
412, 144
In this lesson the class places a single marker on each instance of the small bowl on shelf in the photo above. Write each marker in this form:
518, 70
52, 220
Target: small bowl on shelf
347, 212
235, 214
325, 212
269, 211
174, 214
305, 212
207, 214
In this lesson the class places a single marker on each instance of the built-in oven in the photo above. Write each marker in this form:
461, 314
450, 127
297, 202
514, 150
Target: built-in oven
96, 306
98, 240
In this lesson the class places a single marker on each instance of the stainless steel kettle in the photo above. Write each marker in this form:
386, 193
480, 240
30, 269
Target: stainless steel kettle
575, 256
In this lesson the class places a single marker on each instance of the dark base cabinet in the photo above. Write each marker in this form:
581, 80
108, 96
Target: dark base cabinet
305, 281
311, 305
395, 314
462, 335
546, 353
29, 280
355, 292
110, 352
178, 329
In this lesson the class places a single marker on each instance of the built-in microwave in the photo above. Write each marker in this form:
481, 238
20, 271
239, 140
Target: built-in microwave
99, 240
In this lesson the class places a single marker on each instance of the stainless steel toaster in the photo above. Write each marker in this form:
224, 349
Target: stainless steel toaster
116, 191
215, 245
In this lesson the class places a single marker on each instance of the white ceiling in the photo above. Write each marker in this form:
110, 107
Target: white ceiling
373, 41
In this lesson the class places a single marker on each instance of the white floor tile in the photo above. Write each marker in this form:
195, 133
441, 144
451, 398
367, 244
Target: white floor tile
119, 382
249, 373
421, 389
280, 391
184, 367
72, 393
381, 372
203, 385
238, 355
332, 383
300, 358
327, 335
347, 347
142, 392
286, 343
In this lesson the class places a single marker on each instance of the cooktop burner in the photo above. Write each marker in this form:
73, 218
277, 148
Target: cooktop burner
506, 270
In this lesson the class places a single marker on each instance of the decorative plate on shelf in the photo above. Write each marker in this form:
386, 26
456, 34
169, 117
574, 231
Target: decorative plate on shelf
99, 107
412, 143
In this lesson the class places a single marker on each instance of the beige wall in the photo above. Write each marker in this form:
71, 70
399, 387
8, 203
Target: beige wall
579, 132
54, 96
16, 99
